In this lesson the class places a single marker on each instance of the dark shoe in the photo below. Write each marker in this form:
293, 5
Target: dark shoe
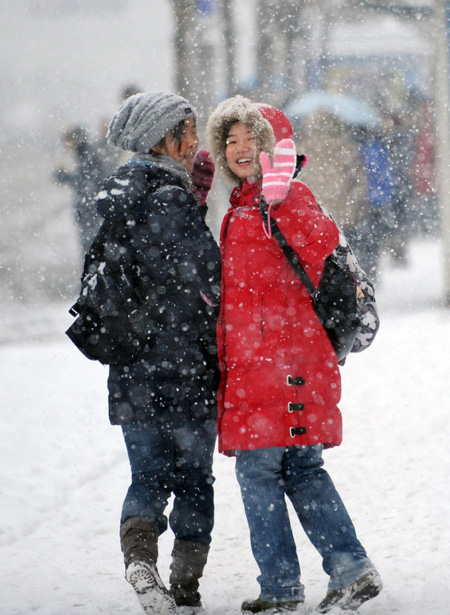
190, 610
152, 594
351, 597
263, 606
187, 599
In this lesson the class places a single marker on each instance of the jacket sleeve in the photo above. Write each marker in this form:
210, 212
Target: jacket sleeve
310, 232
177, 246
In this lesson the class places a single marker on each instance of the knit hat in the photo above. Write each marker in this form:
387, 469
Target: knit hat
144, 119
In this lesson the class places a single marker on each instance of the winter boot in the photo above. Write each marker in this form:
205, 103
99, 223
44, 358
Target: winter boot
139, 542
351, 597
188, 561
264, 606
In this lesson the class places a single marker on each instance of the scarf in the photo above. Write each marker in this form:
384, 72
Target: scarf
167, 164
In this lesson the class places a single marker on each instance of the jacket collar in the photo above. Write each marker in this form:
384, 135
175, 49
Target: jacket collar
166, 164
246, 195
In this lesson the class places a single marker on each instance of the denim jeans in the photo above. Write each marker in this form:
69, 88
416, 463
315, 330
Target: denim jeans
265, 477
176, 458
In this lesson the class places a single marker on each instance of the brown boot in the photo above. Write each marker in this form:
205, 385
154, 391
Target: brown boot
188, 561
139, 542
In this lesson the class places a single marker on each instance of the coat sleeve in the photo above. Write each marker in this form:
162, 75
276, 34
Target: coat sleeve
176, 245
310, 232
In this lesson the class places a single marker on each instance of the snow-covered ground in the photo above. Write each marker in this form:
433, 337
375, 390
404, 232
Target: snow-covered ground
64, 469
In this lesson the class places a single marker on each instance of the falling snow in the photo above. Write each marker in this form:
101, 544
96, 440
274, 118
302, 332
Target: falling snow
64, 470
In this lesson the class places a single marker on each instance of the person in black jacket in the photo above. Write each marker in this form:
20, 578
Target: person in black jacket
85, 180
166, 400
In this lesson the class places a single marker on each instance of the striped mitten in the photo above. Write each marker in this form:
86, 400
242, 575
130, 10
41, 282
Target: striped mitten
277, 179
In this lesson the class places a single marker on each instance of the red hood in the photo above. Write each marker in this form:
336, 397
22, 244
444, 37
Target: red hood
281, 126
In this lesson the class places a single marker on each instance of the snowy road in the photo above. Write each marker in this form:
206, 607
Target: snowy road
64, 470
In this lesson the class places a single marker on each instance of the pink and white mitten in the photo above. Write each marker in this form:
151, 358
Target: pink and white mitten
277, 179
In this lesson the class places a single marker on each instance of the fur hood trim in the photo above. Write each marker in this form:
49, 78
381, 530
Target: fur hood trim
237, 109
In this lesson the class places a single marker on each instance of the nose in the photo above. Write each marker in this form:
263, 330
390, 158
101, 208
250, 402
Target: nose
242, 146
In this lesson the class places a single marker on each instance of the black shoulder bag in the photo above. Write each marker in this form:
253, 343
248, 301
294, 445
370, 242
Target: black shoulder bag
111, 317
335, 300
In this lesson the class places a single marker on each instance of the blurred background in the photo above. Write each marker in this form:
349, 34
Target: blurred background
365, 84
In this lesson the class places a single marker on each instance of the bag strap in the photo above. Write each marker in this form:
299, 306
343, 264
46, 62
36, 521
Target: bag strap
96, 248
288, 251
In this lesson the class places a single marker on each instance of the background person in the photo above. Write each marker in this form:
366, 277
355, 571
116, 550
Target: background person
371, 236
84, 177
335, 173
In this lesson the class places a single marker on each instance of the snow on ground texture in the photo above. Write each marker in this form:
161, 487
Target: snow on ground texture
64, 470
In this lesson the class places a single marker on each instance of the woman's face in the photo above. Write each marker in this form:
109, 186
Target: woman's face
185, 152
240, 151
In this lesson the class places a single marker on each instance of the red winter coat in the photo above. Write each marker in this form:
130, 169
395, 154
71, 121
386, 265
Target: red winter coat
279, 370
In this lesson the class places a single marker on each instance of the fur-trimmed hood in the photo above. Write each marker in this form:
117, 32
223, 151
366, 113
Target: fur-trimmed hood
237, 109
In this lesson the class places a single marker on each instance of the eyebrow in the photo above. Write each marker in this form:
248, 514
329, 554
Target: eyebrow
233, 134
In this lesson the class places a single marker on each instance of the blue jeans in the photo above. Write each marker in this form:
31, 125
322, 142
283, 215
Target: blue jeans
265, 477
168, 458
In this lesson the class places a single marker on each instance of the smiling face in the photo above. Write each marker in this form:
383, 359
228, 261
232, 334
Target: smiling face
185, 148
240, 152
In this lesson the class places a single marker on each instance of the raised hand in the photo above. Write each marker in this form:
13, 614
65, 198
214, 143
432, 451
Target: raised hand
277, 178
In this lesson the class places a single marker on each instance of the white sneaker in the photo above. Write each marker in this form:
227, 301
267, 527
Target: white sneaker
150, 590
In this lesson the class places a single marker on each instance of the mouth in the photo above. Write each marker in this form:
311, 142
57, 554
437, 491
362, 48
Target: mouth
244, 161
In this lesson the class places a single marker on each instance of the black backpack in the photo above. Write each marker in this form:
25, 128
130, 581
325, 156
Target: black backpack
112, 323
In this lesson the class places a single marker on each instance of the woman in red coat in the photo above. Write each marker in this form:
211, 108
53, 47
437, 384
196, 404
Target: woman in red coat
280, 379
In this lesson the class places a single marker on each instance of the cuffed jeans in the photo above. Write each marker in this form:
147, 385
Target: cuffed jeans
168, 459
265, 477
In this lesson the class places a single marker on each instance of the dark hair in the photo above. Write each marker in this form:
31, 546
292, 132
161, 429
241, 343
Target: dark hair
226, 127
175, 134
129, 90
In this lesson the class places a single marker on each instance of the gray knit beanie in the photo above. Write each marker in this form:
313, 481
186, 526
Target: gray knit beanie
144, 119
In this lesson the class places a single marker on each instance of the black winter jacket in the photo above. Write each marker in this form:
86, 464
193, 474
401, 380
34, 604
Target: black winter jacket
178, 260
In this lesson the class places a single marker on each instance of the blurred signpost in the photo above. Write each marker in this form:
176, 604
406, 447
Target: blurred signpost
442, 100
